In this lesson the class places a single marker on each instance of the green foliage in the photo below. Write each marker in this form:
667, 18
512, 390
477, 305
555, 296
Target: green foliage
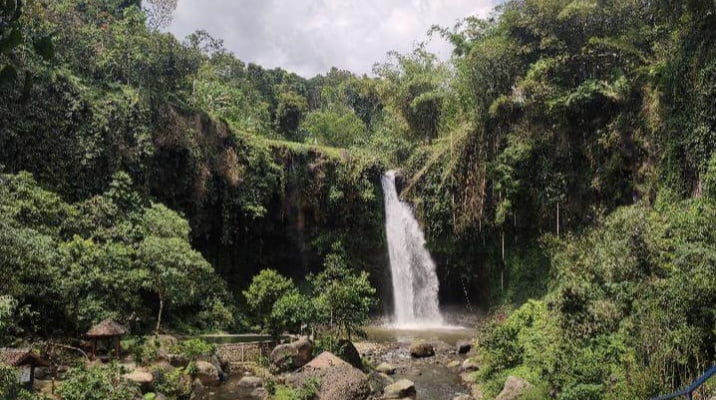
628, 312
193, 349
308, 391
338, 127
98, 383
8, 381
289, 113
414, 84
76, 264
144, 349
290, 313
265, 289
343, 297
173, 384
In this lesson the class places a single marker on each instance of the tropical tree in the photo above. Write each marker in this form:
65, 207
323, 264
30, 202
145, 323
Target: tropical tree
342, 297
265, 289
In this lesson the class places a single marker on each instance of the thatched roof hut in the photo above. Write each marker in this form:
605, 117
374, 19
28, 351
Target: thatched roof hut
106, 329
20, 357
25, 361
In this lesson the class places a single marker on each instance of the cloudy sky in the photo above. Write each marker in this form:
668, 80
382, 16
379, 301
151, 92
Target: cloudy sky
310, 36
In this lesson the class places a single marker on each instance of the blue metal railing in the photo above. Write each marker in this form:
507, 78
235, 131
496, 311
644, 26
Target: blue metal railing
689, 391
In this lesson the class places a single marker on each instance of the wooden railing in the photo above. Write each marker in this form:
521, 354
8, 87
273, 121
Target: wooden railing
689, 391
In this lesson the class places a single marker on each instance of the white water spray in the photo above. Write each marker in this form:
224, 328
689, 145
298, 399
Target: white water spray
415, 283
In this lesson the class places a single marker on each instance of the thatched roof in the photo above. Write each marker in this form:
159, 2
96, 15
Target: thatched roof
106, 328
20, 357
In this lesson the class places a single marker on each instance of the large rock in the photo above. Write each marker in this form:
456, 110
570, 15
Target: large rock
339, 380
463, 347
208, 373
284, 357
400, 390
252, 388
166, 342
422, 349
139, 376
469, 365
514, 388
349, 353
304, 347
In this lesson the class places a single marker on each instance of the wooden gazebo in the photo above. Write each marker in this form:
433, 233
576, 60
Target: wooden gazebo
109, 331
25, 361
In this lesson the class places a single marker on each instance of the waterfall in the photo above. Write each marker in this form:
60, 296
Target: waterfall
415, 283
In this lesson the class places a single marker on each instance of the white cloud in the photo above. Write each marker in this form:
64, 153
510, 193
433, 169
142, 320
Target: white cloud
311, 36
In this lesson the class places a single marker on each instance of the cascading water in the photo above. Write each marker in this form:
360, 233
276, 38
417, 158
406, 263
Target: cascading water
415, 283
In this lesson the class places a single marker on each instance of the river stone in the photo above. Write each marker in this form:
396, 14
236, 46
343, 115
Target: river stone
385, 368
462, 397
514, 388
454, 364
422, 349
469, 365
251, 388
208, 374
400, 390
378, 382
339, 380
463, 347
284, 357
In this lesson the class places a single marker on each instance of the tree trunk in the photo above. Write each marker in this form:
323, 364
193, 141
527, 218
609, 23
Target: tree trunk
557, 219
159, 315
502, 271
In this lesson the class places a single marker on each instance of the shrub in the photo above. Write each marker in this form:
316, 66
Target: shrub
582, 392
193, 349
100, 383
265, 289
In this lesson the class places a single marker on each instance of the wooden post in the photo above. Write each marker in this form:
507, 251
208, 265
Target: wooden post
94, 348
117, 348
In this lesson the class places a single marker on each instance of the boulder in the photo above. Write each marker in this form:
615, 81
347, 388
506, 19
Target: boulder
284, 357
304, 346
463, 347
339, 380
454, 364
166, 342
348, 352
469, 365
422, 349
141, 377
385, 368
400, 390
251, 388
514, 388
208, 374
462, 397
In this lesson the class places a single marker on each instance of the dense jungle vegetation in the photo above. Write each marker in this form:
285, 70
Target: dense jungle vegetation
562, 163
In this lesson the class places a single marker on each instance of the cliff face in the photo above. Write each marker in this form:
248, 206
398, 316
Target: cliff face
253, 203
